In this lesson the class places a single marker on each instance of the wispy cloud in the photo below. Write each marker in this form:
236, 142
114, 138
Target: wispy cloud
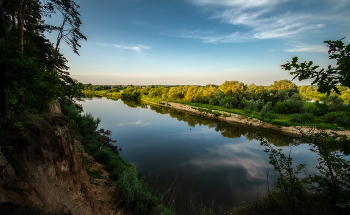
238, 3
138, 49
307, 48
212, 37
138, 122
265, 19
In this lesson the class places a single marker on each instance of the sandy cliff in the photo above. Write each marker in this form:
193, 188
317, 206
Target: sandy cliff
40, 167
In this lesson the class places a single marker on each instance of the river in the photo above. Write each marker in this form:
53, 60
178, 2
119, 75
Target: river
193, 160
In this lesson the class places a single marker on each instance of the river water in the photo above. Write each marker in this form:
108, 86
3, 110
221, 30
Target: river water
193, 160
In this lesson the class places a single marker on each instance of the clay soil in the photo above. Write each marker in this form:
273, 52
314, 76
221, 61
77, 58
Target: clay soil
104, 189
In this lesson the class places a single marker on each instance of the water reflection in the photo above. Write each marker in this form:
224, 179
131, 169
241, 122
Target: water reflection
228, 130
192, 159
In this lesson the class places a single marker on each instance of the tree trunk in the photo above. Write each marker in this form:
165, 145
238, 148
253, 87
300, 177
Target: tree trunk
3, 78
21, 5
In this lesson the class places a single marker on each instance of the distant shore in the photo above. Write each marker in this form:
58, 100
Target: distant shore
236, 118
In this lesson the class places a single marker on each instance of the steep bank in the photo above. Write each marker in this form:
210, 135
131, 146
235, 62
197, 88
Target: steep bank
40, 167
236, 118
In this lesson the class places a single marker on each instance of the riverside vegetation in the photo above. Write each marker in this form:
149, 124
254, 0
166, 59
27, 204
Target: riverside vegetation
327, 190
33, 70
282, 103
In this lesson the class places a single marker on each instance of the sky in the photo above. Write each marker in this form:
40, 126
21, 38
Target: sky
200, 42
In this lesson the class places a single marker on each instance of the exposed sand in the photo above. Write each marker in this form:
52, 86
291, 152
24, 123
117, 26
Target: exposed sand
235, 118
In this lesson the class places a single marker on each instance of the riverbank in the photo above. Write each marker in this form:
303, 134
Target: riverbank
248, 121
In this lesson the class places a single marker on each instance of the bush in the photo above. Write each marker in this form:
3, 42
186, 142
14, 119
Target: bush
252, 105
280, 123
343, 120
216, 114
316, 108
103, 156
271, 115
325, 126
330, 117
248, 111
303, 118
295, 103
266, 108
334, 103
282, 108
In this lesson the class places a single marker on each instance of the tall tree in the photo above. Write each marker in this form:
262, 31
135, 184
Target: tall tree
31, 66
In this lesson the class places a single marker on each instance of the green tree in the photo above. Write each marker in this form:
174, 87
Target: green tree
32, 69
328, 78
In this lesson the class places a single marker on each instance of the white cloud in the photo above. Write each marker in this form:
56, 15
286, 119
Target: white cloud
266, 19
211, 37
237, 3
138, 49
138, 122
308, 48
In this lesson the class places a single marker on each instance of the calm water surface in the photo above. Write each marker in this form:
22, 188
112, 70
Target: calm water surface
202, 161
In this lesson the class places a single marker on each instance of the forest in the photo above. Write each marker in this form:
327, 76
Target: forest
282, 103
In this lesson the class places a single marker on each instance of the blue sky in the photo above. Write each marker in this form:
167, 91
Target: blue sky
201, 42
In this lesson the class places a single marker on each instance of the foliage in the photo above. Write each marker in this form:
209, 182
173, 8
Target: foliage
266, 108
266, 103
216, 113
288, 181
33, 72
271, 115
334, 103
280, 123
283, 108
343, 120
303, 118
328, 189
130, 92
331, 117
326, 79
316, 108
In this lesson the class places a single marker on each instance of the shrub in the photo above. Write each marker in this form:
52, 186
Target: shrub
343, 120
282, 108
216, 114
280, 123
303, 118
226, 115
325, 126
103, 156
295, 103
317, 109
271, 115
330, 117
334, 103
266, 108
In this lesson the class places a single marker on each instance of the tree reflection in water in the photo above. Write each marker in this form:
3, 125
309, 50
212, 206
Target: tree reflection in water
228, 130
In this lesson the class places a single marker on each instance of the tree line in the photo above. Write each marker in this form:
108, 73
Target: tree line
281, 97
